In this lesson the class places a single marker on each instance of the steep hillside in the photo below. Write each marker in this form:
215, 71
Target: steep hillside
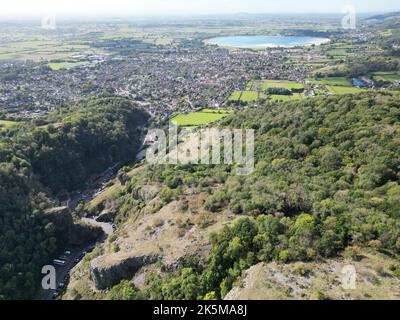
37, 162
326, 181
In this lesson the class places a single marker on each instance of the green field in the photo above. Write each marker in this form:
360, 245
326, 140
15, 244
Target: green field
339, 67
7, 124
250, 86
41, 48
281, 84
275, 97
294, 96
386, 33
334, 81
66, 65
344, 90
246, 96
193, 119
310, 64
256, 90
235, 96
218, 111
249, 96
339, 52
387, 76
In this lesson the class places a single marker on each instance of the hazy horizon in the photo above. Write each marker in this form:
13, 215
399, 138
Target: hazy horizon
124, 8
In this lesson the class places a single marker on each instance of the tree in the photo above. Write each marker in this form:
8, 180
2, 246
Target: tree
303, 235
211, 296
125, 290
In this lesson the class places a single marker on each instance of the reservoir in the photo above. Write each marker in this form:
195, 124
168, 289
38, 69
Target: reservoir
260, 42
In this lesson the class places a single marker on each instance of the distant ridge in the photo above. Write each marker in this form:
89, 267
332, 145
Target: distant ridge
386, 16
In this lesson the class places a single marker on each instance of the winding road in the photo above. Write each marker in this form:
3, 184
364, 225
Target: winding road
77, 253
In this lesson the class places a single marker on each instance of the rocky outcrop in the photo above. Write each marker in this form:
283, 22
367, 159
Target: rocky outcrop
146, 193
106, 273
83, 234
68, 232
105, 216
62, 220
123, 178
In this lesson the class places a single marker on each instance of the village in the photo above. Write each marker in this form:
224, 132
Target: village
162, 82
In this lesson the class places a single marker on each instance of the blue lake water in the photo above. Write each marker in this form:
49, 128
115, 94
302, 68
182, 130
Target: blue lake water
259, 42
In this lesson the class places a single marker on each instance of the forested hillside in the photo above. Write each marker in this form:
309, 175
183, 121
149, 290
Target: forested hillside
82, 140
326, 182
38, 162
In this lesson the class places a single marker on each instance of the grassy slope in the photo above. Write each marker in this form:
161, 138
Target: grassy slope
374, 269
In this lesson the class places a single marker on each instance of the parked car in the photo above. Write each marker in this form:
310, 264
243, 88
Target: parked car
59, 262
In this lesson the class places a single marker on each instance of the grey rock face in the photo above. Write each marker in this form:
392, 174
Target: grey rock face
105, 216
145, 193
62, 220
105, 276
123, 178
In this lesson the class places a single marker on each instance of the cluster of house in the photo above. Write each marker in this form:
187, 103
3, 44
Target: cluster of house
164, 81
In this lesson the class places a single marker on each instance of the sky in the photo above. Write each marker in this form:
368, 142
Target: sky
184, 7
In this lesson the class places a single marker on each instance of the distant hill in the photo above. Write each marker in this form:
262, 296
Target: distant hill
385, 16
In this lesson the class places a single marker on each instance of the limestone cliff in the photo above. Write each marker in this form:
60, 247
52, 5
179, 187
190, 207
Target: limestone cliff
106, 275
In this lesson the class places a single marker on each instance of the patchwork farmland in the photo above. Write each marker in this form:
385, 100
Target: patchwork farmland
259, 89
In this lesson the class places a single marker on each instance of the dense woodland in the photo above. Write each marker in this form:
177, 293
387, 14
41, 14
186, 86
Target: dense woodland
37, 162
326, 183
